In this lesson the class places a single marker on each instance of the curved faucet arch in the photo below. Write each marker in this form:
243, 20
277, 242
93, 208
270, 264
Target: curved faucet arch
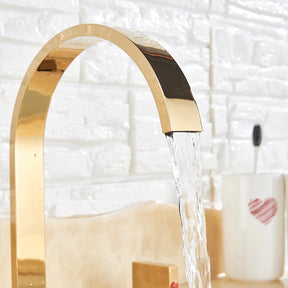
175, 104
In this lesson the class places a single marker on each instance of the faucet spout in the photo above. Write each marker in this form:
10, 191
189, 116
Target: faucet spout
173, 97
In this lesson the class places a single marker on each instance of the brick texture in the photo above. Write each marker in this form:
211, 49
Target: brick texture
104, 146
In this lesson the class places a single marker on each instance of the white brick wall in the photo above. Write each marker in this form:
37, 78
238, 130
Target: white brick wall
109, 151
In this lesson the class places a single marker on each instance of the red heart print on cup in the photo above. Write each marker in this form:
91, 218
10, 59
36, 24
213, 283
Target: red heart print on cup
263, 210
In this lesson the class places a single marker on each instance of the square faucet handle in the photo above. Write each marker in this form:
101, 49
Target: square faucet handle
154, 275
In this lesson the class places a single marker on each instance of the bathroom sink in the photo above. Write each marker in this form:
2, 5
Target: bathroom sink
98, 251
83, 251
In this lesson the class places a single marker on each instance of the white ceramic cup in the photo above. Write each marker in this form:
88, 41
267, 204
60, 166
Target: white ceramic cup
253, 226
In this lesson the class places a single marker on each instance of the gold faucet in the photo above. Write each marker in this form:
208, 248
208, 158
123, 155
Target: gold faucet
174, 100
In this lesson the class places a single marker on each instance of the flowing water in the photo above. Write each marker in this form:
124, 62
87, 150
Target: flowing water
185, 152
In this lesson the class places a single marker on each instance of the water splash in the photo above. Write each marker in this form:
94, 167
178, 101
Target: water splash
185, 152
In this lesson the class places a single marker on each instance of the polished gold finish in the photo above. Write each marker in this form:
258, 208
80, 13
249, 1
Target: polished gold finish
152, 275
176, 107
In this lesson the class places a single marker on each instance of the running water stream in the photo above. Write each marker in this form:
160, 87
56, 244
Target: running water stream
185, 154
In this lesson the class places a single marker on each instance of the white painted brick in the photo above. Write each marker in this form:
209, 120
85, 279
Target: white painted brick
247, 72
72, 73
216, 179
209, 162
108, 12
65, 162
5, 203
268, 6
75, 208
153, 161
32, 26
144, 104
238, 48
88, 113
254, 29
220, 52
137, 191
8, 93
191, 53
160, 22
221, 150
276, 125
219, 99
220, 120
111, 160
85, 193
205, 189
206, 136
67, 6
218, 6
197, 76
243, 115
201, 5
74, 161
235, 74
4, 165
241, 156
190, 4
135, 76
262, 87
153, 16
265, 59
13, 64
201, 30
278, 72
268, 54
204, 57
242, 49
148, 134
273, 156
104, 63
54, 194
174, 23
203, 104
240, 12
220, 79
244, 108
60, 22
242, 129
110, 197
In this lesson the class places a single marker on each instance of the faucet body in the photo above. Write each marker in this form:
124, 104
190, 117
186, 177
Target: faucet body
173, 97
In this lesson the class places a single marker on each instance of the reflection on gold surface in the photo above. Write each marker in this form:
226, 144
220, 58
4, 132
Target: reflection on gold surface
154, 275
173, 97
31, 273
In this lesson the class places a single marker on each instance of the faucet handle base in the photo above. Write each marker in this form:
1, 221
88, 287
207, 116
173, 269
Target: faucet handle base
154, 275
